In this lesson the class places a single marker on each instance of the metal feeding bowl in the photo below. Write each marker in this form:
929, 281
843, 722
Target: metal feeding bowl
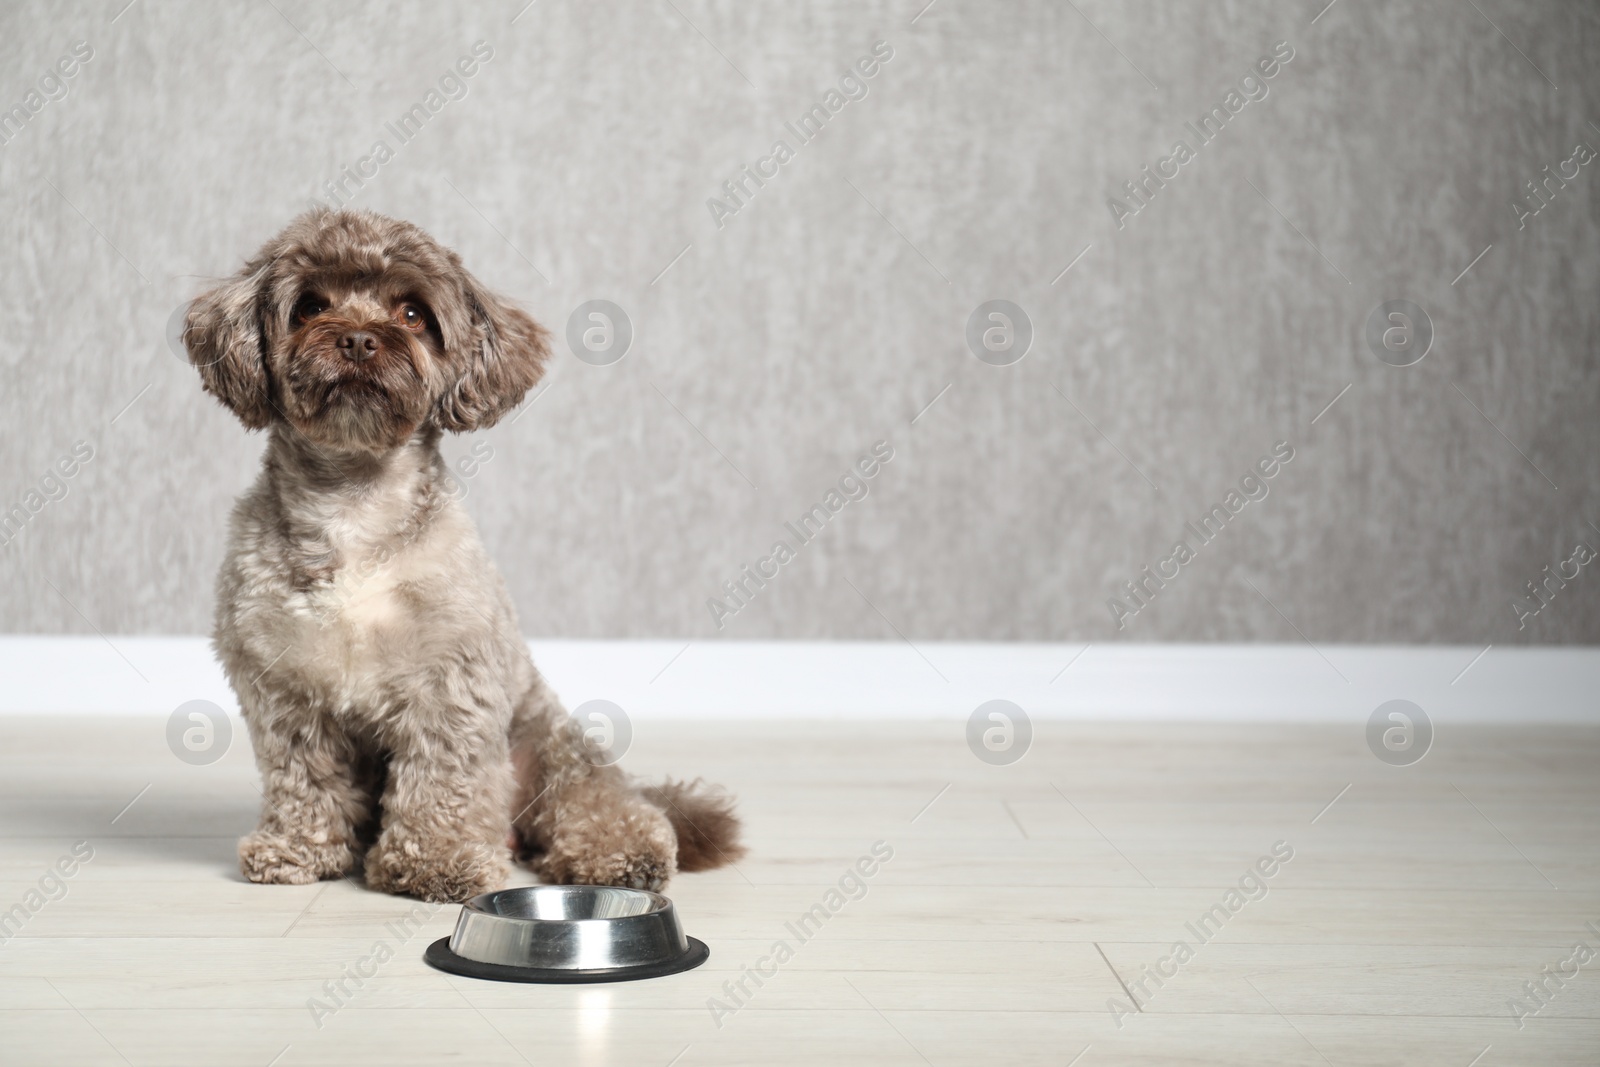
567, 933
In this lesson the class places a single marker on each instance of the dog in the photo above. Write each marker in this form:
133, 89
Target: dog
399, 724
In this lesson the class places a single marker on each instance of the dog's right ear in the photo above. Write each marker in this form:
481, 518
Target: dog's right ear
224, 335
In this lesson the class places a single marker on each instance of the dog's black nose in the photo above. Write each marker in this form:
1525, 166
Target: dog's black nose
358, 346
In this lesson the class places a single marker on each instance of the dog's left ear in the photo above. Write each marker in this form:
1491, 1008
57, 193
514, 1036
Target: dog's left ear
501, 351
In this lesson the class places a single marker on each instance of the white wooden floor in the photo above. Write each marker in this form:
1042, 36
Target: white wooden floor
1018, 902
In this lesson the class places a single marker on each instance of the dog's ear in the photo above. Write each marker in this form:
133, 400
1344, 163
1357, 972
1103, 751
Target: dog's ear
501, 352
225, 339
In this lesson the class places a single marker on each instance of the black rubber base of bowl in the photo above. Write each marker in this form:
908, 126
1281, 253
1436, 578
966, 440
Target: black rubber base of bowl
439, 956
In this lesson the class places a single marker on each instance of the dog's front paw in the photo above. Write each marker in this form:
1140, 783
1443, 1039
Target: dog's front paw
638, 853
278, 859
440, 871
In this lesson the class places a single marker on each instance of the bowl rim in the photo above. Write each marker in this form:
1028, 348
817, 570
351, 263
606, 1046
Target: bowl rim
479, 904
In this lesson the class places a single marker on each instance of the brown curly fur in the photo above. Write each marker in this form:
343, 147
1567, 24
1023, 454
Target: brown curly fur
398, 722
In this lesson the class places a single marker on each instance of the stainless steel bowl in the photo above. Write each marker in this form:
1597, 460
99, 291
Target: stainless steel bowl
567, 933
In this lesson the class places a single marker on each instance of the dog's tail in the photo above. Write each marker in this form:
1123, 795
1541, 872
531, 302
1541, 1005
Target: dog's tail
702, 815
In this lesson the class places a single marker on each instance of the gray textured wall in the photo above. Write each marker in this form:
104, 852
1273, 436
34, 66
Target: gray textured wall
830, 310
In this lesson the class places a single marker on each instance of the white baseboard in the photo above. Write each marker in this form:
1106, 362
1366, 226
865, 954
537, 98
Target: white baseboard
934, 680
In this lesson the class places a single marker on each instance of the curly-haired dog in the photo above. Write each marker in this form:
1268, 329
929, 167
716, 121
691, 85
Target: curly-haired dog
397, 719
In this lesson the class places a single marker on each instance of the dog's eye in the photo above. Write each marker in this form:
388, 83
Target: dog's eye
411, 317
307, 307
